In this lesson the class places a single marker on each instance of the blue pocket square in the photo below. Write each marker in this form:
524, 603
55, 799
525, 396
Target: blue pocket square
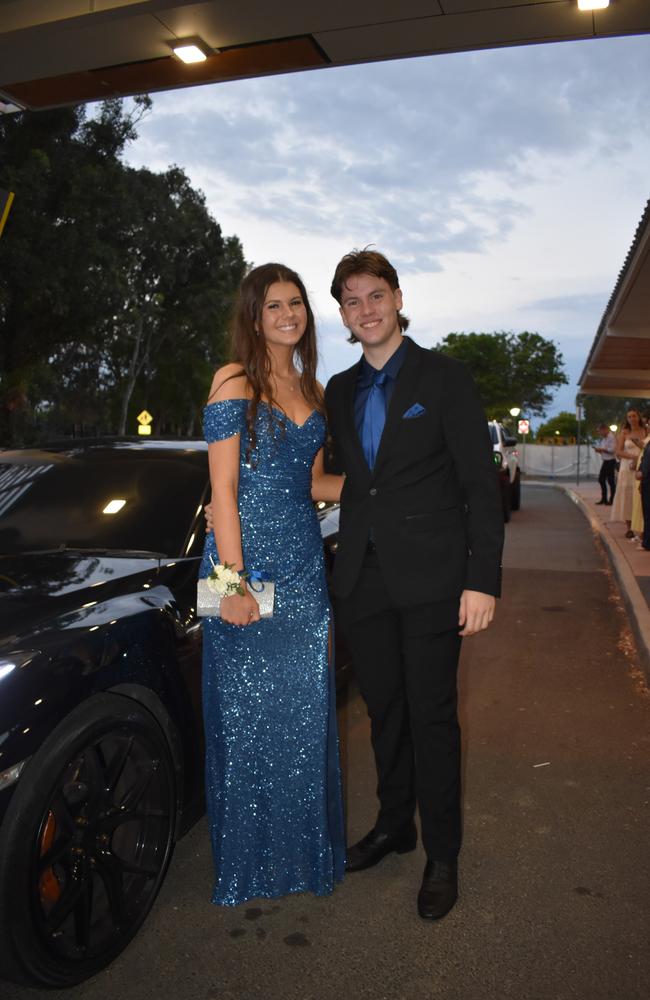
413, 411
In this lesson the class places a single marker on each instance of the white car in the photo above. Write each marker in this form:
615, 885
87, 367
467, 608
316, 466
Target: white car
506, 460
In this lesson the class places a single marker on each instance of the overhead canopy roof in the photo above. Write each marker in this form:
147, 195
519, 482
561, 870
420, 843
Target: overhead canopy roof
57, 52
619, 360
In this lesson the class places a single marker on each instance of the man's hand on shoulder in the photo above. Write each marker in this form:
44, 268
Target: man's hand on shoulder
476, 611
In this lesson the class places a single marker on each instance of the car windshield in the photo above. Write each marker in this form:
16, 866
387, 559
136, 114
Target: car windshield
100, 498
494, 435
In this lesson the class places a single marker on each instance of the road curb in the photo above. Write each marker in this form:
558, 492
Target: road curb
634, 601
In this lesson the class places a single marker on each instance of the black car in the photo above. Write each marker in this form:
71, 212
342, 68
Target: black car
101, 741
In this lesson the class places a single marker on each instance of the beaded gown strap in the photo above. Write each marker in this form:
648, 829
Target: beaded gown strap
224, 419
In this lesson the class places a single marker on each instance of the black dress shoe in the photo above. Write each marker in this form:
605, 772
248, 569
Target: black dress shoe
375, 846
439, 889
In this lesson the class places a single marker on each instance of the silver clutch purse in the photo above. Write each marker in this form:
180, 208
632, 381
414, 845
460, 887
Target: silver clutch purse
208, 603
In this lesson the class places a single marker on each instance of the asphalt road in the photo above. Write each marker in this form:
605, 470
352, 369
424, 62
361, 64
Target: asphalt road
555, 886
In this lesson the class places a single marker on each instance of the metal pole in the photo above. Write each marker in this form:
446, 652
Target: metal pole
524, 451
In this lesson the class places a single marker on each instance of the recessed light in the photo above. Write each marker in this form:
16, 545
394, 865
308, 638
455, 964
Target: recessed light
592, 4
113, 506
191, 50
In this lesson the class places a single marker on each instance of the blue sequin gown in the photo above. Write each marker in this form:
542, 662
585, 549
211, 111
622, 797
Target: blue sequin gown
272, 771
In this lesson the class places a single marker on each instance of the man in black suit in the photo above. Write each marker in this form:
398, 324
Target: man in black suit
418, 564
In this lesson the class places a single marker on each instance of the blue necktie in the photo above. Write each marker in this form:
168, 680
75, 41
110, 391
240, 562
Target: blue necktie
374, 418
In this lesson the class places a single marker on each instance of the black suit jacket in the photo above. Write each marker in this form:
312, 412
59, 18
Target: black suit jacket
432, 498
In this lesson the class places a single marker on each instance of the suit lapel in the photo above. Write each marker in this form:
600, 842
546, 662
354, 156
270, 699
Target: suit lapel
401, 395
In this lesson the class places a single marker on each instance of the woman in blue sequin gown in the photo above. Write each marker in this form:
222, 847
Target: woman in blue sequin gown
272, 772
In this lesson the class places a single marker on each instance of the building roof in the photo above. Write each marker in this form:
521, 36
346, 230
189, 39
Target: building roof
58, 52
619, 360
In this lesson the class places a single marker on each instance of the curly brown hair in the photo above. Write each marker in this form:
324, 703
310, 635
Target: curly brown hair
248, 346
365, 262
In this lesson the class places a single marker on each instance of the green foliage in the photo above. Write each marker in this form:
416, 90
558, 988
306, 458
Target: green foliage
564, 424
609, 410
115, 283
510, 369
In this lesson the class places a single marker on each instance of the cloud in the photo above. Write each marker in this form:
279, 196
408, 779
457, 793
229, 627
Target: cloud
428, 123
397, 153
501, 183
587, 303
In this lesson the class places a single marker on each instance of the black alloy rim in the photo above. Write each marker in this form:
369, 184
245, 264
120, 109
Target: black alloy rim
102, 846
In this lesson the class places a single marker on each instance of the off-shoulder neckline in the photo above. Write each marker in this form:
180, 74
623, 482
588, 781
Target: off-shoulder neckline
277, 409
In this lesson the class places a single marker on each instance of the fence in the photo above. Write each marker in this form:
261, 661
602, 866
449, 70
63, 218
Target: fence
558, 461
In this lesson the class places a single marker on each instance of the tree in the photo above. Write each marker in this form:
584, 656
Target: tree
608, 410
52, 260
563, 425
509, 369
177, 277
115, 283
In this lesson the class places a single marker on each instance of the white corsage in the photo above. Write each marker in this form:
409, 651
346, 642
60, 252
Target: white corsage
224, 580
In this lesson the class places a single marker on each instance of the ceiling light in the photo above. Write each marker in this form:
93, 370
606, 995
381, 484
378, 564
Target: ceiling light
191, 50
592, 4
113, 506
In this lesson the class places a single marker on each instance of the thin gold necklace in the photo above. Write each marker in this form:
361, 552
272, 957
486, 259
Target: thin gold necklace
286, 379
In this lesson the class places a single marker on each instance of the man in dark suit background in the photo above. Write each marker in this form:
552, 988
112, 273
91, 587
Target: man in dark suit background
418, 564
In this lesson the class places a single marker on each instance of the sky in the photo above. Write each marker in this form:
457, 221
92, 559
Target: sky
504, 185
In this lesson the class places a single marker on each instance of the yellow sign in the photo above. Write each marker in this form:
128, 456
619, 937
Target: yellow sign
144, 429
144, 417
6, 198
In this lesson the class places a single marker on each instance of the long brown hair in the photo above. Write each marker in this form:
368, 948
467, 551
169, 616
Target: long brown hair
248, 346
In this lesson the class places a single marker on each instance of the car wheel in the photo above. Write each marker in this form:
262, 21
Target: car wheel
85, 843
515, 492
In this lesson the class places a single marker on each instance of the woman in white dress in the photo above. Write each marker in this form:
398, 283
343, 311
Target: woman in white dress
629, 443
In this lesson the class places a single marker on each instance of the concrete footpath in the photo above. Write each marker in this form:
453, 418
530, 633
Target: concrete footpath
629, 562
555, 870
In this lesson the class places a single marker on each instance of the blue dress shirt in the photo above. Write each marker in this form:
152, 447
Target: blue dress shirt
364, 382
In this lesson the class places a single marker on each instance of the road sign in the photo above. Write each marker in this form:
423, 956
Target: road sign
144, 417
524, 426
144, 429
6, 198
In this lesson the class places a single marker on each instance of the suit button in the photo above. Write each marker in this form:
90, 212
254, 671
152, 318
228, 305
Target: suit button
373, 492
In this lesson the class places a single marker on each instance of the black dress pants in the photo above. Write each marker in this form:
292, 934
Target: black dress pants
607, 475
406, 661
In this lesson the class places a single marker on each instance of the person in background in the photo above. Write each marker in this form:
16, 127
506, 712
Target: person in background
606, 448
629, 443
638, 519
643, 475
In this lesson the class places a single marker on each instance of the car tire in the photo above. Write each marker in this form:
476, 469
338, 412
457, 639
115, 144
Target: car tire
85, 843
515, 492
